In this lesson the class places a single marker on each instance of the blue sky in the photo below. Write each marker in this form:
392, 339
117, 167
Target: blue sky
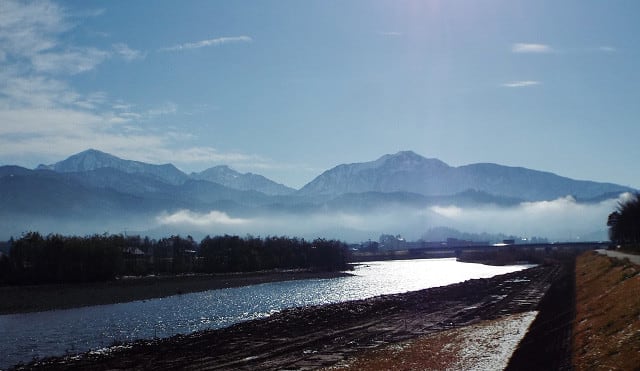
289, 89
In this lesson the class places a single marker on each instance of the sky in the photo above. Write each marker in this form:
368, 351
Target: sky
289, 89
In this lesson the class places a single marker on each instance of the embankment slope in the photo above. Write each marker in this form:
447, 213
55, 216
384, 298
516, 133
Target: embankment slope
607, 324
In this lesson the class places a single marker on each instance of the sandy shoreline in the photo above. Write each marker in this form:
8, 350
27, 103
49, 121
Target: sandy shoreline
24, 299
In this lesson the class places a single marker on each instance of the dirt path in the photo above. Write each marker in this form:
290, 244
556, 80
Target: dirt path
635, 259
315, 337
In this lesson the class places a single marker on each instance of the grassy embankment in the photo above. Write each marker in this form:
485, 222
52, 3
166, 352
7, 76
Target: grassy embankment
607, 325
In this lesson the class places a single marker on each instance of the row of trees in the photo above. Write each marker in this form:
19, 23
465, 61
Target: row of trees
54, 258
232, 253
34, 258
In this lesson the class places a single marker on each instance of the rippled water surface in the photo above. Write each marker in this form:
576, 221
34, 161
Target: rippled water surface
32, 335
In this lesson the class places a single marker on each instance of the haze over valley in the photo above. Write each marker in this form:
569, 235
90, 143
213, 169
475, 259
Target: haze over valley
402, 193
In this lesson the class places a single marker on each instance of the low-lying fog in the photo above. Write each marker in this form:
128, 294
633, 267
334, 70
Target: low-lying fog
563, 219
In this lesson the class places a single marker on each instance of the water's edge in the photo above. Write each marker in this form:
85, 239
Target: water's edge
39, 298
59, 332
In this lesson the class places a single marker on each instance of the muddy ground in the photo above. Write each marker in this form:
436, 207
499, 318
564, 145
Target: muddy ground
316, 337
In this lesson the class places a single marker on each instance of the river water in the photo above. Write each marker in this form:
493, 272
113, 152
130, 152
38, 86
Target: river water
24, 337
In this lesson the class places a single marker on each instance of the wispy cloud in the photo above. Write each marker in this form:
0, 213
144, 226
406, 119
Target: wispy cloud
128, 54
390, 33
164, 109
71, 62
521, 84
88, 13
607, 49
209, 42
30, 28
77, 60
45, 118
30, 34
190, 218
531, 48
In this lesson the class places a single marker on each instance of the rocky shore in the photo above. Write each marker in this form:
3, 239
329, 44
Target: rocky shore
323, 336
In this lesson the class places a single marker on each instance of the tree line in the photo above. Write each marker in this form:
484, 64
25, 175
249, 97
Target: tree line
624, 223
34, 258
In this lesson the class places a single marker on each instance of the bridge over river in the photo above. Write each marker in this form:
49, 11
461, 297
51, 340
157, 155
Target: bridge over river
489, 254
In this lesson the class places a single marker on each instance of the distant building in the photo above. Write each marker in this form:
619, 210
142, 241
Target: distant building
390, 242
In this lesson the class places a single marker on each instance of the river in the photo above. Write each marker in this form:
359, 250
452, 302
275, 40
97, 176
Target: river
25, 337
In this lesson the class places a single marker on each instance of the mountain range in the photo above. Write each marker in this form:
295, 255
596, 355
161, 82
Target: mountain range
96, 189
409, 172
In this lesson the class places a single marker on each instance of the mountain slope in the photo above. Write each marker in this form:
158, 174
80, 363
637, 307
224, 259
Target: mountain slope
402, 172
93, 159
408, 172
42, 192
96, 164
230, 178
107, 193
530, 184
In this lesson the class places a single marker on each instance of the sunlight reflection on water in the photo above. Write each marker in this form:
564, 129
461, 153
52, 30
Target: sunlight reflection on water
25, 336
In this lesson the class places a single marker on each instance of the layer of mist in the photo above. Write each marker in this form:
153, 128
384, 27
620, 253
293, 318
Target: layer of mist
563, 219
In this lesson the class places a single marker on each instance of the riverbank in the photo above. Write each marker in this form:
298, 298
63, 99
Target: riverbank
487, 345
24, 299
535, 340
316, 337
589, 319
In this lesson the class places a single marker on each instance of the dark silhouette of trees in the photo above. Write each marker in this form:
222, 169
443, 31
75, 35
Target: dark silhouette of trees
235, 254
5, 268
174, 254
55, 258
624, 223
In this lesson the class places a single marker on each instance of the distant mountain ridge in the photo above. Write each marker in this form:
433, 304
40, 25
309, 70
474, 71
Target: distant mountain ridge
409, 172
92, 159
228, 177
95, 191
402, 173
